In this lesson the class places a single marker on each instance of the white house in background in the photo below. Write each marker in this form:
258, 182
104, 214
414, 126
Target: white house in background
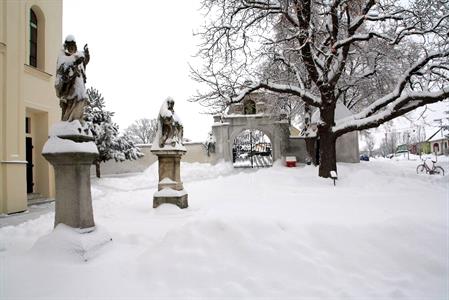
439, 142
347, 145
30, 40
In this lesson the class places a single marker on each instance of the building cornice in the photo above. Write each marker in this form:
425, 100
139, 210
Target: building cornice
38, 73
38, 106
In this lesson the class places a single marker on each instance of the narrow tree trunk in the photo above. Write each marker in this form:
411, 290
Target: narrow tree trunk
97, 169
311, 150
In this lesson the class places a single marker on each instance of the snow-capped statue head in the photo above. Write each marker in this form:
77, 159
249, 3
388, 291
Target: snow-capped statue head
167, 108
170, 103
70, 38
70, 44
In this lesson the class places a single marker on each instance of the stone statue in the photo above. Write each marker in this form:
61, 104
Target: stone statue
210, 143
71, 79
170, 126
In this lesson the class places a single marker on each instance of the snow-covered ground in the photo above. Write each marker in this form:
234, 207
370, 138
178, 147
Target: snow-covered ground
276, 233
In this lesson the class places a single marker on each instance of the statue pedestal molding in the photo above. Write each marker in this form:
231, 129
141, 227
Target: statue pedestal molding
72, 155
170, 188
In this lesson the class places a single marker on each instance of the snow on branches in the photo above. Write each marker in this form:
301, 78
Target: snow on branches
328, 47
377, 57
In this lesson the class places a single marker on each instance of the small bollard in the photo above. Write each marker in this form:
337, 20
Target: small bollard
334, 176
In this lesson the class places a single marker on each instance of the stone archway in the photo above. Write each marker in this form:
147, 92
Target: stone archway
252, 148
227, 128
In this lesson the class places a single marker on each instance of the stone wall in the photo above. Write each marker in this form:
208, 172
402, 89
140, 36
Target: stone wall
297, 148
347, 148
196, 152
347, 151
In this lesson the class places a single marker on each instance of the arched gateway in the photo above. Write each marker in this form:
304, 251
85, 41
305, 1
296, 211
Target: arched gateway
244, 117
252, 149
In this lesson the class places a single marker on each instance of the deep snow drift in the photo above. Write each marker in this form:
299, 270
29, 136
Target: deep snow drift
381, 233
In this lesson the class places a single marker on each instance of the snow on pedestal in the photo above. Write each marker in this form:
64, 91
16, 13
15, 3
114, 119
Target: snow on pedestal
71, 130
60, 145
168, 147
71, 151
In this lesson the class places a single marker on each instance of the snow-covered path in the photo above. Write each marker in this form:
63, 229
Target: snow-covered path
278, 233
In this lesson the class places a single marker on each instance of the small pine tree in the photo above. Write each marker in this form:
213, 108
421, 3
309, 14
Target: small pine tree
110, 144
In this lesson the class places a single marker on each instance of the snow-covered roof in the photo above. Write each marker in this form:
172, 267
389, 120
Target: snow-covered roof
438, 136
341, 112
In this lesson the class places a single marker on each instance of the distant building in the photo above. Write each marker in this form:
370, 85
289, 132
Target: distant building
30, 39
439, 142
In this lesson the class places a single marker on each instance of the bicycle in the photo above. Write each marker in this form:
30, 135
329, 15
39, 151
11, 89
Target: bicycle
428, 166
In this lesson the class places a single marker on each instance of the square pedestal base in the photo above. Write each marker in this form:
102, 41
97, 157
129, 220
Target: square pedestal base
180, 201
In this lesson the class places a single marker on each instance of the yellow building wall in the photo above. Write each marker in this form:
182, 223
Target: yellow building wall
26, 91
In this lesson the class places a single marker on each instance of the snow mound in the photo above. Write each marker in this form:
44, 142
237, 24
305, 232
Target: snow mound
167, 209
69, 244
148, 179
201, 171
241, 258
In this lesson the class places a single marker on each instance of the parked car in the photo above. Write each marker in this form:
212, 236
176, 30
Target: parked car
364, 157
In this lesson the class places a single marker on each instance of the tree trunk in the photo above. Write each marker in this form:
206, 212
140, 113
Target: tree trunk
328, 156
97, 169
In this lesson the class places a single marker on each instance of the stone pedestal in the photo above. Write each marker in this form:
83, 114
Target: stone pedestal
72, 158
170, 188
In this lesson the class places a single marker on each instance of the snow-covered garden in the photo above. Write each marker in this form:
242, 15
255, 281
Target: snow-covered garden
277, 233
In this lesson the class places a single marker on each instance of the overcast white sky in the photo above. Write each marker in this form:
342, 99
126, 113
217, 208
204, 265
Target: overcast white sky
140, 52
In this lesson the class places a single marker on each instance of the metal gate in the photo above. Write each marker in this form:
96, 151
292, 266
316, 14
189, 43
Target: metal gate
252, 149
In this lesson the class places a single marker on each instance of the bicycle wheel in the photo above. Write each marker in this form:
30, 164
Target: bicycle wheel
438, 171
421, 169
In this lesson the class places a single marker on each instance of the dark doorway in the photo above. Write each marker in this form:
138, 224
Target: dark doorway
29, 158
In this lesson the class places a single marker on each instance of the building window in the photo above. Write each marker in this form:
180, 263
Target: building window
33, 38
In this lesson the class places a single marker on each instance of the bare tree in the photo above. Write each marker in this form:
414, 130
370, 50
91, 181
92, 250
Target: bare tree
326, 45
370, 142
142, 131
389, 144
